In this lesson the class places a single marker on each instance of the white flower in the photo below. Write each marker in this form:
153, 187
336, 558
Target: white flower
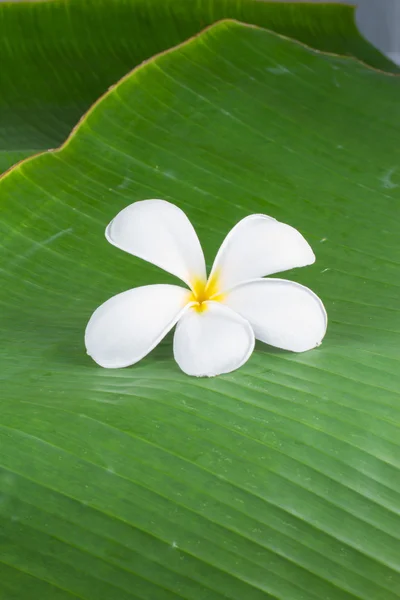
218, 318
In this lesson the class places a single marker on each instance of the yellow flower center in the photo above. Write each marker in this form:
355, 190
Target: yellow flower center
202, 291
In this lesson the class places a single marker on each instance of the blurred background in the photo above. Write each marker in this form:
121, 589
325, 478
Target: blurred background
378, 20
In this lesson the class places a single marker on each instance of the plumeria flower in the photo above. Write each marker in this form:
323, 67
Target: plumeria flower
217, 319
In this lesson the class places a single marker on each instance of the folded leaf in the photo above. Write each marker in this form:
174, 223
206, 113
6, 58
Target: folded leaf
58, 57
280, 480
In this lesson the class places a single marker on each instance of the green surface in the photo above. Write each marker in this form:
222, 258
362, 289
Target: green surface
58, 57
8, 158
279, 481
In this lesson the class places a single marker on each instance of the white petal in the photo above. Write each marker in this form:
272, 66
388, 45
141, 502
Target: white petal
282, 313
212, 342
258, 246
160, 233
128, 326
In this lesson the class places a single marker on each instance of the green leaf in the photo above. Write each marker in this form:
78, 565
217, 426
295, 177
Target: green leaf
278, 481
58, 57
